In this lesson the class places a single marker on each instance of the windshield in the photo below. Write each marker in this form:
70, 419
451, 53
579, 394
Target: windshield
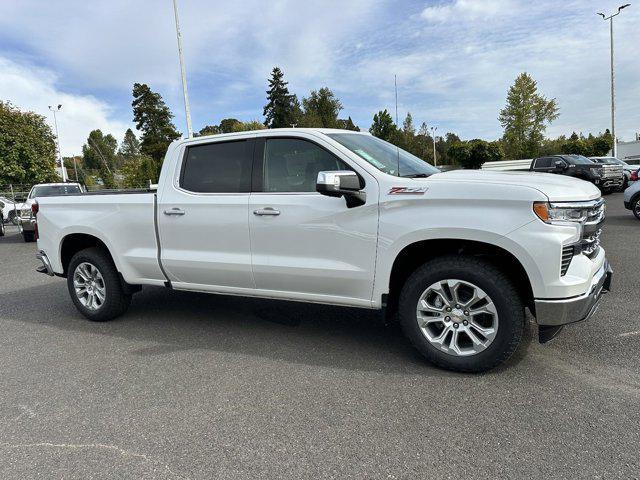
578, 160
384, 156
54, 190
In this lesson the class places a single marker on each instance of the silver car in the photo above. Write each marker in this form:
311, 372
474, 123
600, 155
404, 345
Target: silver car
632, 199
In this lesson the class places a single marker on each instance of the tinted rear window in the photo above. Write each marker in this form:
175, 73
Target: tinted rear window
223, 167
54, 190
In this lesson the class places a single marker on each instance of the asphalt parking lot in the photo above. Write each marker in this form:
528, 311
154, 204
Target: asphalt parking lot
198, 386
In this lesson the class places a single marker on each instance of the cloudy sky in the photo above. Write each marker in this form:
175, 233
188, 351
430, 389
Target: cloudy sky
454, 59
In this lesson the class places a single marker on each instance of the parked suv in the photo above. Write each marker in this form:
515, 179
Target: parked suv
606, 177
632, 198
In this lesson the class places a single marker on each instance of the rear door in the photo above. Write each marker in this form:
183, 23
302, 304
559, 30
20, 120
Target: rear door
306, 245
544, 164
202, 217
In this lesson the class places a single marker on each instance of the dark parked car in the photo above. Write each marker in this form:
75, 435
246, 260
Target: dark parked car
605, 176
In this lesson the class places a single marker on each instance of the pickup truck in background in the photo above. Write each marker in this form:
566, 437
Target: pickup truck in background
25, 216
343, 218
627, 170
607, 177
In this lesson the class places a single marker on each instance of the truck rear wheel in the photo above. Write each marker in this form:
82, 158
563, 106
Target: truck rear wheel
462, 313
95, 286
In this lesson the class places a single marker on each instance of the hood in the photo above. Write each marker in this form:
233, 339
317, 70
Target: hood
557, 188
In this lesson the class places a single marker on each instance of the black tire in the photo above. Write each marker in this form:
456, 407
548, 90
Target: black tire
28, 236
635, 207
1, 227
486, 276
116, 301
605, 191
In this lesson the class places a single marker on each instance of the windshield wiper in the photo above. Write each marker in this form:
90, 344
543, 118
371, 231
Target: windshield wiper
416, 175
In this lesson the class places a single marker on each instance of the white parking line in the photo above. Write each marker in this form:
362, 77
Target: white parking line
629, 334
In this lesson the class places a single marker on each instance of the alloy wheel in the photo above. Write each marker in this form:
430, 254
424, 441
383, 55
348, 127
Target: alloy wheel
457, 317
89, 286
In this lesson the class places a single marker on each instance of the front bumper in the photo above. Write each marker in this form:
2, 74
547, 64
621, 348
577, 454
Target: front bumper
558, 312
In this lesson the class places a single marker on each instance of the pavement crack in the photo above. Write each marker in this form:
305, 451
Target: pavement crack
79, 446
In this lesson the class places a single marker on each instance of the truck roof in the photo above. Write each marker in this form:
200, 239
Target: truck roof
270, 131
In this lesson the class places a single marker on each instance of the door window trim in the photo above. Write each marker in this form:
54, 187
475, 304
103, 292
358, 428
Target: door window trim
183, 161
257, 176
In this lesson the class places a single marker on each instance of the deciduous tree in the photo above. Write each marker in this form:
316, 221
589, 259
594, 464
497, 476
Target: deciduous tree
27, 147
525, 118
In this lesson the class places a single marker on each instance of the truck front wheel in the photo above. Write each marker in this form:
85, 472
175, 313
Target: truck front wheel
462, 313
95, 287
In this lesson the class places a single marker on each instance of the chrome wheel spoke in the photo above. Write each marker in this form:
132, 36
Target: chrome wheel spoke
89, 286
455, 326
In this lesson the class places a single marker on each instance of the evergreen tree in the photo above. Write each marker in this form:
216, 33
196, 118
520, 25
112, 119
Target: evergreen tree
208, 130
99, 154
279, 112
130, 146
525, 117
383, 126
153, 119
347, 124
323, 107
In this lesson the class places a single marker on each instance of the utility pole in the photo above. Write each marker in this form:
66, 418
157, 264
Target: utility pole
187, 111
55, 122
613, 94
395, 84
433, 136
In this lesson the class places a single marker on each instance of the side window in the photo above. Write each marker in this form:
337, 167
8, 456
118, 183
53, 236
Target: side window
292, 165
545, 162
223, 167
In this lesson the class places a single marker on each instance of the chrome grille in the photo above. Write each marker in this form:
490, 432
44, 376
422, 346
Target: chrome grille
589, 244
567, 256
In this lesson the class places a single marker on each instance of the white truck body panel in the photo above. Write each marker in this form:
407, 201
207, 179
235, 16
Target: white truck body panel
317, 249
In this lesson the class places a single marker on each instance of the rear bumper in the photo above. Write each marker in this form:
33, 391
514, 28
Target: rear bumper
562, 311
27, 224
46, 264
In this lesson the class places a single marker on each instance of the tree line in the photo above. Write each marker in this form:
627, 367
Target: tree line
28, 153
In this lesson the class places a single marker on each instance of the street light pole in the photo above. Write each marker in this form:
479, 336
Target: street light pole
433, 136
613, 87
55, 122
187, 111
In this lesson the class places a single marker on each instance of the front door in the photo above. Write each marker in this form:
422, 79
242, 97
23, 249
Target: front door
203, 218
306, 245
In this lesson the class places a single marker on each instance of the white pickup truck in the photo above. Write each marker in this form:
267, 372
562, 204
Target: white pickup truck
343, 218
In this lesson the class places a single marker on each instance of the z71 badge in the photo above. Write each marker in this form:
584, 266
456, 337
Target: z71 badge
407, 190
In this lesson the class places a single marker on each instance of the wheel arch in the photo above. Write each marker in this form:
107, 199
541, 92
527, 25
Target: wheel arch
75, 242
417, 253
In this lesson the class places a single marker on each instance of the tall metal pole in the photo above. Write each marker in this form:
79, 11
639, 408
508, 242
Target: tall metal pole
187, 111
55, 122
614, 150
433, 136
613, 96
395, 84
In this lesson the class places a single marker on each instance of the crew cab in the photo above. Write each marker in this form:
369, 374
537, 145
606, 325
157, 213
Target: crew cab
607, 177
343, 218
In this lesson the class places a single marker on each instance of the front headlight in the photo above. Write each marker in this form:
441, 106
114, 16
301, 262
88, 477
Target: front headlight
25, 213
560, 213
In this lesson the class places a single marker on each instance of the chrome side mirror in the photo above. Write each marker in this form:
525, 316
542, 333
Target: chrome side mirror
341, 183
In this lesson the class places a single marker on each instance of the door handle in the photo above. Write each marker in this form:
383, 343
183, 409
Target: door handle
266, 211
174, 211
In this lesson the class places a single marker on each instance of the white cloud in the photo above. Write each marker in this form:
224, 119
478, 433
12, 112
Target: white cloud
465, 10
33, 89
